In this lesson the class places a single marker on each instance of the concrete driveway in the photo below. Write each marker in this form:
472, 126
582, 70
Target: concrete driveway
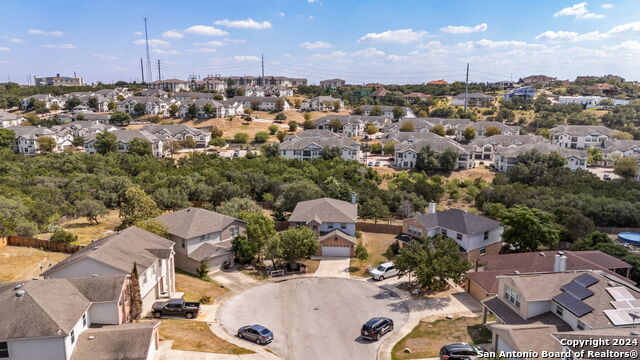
333, 267
314, 318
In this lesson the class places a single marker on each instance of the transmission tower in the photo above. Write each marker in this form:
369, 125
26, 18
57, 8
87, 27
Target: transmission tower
146, 39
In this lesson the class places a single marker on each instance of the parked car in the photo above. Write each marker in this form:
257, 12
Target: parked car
606, 177
459, 351
258, 333
377, 163
376, 327
384, 271
176, 307
370, 163
236, 152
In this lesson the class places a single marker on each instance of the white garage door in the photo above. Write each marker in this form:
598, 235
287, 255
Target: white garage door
336, 251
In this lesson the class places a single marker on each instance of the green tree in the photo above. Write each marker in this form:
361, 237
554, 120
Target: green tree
293, 126
234, 207
270, 150
244, 251
273, 129
135, 308
92, 103
279, 106
260, 229
140, 147
469, 133
7, 137
374, 209
281, 135
307, 124
398, 112
209, 110
389, 148
45, 144
293, 192
192, 111
505, 115
330, 152
139, 109
448, 159
297, 243
216, 132
63, 236
336, 106
375, 111
527, 229
112, 106
427, 159
407, 127
261, 137
78, 141
335, 125
492, 130
174, 109
361, 252
154, 227
438, 130
370, 129
136, 206
120, 118
106, 142
91, 209
594, 155
241, 138
72, 102
280, 117
627, 168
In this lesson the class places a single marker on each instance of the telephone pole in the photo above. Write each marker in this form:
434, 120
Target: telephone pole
142, 70
262, 79
466, 90
146, 39
159, 76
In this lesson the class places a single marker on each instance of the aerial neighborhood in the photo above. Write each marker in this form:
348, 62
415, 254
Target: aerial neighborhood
320, 204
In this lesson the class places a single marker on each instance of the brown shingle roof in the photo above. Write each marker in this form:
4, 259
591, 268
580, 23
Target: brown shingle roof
325, 210
116, 342
192, 221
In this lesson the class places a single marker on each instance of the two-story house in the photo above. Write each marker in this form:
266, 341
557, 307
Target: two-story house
481, 128
26, 139
485, 148
263, 103
386, 111
322, 103
179, 133
333, 220
84, 318
9, 119
117, 254
475, 234
350, 125
406, 152
580, 136
201, 236
124, 138
309, 148
507, 157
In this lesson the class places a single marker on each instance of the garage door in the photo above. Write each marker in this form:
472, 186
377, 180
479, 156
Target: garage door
216, 262
336, 251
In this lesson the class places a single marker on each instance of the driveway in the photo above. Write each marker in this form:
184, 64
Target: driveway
333, 267
233, 279
314, 318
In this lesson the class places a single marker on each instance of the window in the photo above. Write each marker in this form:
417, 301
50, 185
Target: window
486, 235
458, 236
443, 232
84, 319
330, 225
343, 225
580, 325
4, 350
483, 251
511, 296
183, 242
73, 336
559, 310
235, 231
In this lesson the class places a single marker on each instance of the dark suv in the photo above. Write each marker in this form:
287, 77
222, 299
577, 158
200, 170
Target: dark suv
376, 327
462, 351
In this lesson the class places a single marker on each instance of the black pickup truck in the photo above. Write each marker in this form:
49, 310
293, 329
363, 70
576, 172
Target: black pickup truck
176, 307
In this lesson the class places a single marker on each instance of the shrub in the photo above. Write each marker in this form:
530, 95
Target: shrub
261, 137
241, 138
203, 269
205, 299
63, 236
361, 252
273, 129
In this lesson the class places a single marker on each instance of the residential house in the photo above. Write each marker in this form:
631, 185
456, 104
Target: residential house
537, 79
213, 84
186, 96
202, 236
124, 138
84, 318
82, 128
169, 85
47, 100
481, 129
309, 148
485, 148
482, 282
58, 81
580, 136
152, 105
505, 158
351, 125
264, 103
332, 83
117, 254
321, 103
416, 97
179, 133
603, 89
256, 91
406, 152
379, 92
219, 108
277, 91
312, 133
153, 92
589, 102
333, 220
438, 82
9, 119
473, 99
26, 139
425, 124
535, 309
612, 150
526, 92
386, 111
475, 234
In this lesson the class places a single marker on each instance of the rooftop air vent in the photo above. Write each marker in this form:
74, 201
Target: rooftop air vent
18, 286
94, 275
20, 293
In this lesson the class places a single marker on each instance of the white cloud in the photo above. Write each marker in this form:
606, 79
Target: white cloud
630, 27
571, 36
369, 52
166, 52
505, 44
452, 29
607, 6
330, 56
209, 43
16, 40
403, 36
172, 34
202, 50
58, 46
137, 33
104, 56
205, 30
281, 13
67, 46
249, 23
246, 58
235, 41
579, 11
156, 43
4, 48
315, 45
55, 33
632, 45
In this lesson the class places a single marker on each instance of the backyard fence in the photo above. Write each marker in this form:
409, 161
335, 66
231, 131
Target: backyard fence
379, 228
43, 244
282, 225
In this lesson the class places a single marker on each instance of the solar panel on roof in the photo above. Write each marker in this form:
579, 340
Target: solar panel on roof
585, 280
577, 290
619, 317
573, 304
620, 293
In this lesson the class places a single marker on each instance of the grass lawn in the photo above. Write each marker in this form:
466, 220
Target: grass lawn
195, 288
193, 335
88, 231
426, 339
376, 245
312, 265
23, 263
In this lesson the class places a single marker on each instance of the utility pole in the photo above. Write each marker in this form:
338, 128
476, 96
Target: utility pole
159, 76
146, 39
142, 70
466, 90
262, 79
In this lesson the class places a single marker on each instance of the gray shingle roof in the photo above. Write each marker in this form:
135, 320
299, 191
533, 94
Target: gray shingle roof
126, 136
544, 148
31, 132
303, 142
345, 119
5, 115
436, 142
507, 140
116, 342
581, 130
192, 221
313, 133
120, 250
208, 250
173, 129
325, 210
339, 233
459, 221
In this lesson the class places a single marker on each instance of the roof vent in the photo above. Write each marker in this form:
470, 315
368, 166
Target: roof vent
611, 284
635, 333
20, 293
90, 337
18, 286
541, 253
94, 275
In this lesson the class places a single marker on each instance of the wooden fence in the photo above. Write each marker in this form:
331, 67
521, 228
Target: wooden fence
616, 230
41, 244
379, 228
282, 225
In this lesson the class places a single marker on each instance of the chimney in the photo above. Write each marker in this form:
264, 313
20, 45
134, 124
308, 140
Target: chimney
353, 198
432, 207
560, 262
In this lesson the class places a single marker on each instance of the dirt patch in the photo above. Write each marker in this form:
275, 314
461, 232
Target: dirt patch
377, 245
479, 171
88, 231
193, 335
195, 289
23, 263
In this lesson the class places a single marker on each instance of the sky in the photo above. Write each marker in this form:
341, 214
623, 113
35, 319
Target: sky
361, 41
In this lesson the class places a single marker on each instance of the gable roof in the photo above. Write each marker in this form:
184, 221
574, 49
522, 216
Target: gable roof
116, 342
121, 250
325, 210
544, 148
339, 233
437, 143
299, 143
193, 221
581, 130
458, 220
